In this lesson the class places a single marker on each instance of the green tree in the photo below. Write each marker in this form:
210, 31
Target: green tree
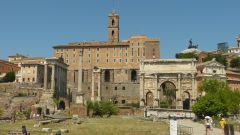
101, 108
186, 55
235, 62
10, 77
219, 99
219, 58
55, 98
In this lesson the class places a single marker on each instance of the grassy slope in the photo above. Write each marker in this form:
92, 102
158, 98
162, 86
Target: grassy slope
96, 126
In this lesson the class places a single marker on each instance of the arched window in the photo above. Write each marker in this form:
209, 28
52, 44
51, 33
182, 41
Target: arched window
107, 76
113, 33
113, 22
134, 76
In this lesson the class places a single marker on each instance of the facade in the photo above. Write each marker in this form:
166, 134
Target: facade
47, 73
6, 67
160, 75
210, 70
109, 69
233, 79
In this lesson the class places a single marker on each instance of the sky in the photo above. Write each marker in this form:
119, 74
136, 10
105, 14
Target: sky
33, 27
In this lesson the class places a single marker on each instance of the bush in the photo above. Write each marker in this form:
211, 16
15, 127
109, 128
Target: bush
164, 104
101, 108
1, 112
10, 77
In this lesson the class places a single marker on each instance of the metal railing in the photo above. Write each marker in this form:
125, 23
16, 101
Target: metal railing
184, 130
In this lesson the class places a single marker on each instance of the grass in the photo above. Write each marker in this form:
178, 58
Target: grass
95, 126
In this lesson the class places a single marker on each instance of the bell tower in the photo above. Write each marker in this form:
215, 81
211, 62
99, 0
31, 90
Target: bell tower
113, 27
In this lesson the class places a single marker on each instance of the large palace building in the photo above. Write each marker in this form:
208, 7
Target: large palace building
110, 69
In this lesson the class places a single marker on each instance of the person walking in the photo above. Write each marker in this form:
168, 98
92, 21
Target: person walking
208, 126
24, 130
222, 124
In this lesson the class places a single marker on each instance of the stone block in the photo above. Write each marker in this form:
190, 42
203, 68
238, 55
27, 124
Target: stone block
64, 130
46, 129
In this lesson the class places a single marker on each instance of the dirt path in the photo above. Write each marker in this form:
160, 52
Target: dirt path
199, 129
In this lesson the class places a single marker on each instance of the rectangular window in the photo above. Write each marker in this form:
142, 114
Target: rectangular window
120, 60
138, 51
89, 61
132, 60
97, 49
114, 60
74, 49
126, 54
107, 60
126, 60
97, 55
97, 60
114, 54
132, 51
123, 101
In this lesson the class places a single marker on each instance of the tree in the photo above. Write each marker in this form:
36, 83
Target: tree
101, 108
219, 58
10, 77
219, 99
186, 55
235, 62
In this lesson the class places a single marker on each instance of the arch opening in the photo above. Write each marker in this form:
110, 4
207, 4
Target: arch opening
61, 105
168, 94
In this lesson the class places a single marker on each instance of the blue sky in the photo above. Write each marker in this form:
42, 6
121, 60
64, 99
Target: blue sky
32, 27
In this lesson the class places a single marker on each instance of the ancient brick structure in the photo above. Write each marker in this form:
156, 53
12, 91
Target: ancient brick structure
109, 69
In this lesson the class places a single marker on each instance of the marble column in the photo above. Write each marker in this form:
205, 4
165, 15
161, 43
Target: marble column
53, 78
142, 104
45, 76
178, 94
99, 85
92, 96
79, 98
155, 102
193, 93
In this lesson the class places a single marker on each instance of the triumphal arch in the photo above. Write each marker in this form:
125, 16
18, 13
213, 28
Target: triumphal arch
168, 83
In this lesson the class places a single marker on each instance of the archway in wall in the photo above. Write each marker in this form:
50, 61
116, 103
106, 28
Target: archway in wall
168, 94
149, 99
186, 100
62, 105
133, 75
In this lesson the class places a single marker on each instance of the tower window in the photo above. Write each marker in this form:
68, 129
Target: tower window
112, 33
115, 88
113, 22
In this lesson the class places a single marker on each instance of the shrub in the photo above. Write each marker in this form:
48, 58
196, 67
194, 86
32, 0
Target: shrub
101, 108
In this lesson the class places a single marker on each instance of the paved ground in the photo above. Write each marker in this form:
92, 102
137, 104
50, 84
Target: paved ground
199, 129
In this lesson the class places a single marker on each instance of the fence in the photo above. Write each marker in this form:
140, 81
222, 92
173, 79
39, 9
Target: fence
184, 130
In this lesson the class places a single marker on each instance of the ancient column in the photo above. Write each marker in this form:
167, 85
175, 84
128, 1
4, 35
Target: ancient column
142, 90
178, 94
53, 78
155, 102
92, 96
45, 76
79, 98
99, 85
193, 93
